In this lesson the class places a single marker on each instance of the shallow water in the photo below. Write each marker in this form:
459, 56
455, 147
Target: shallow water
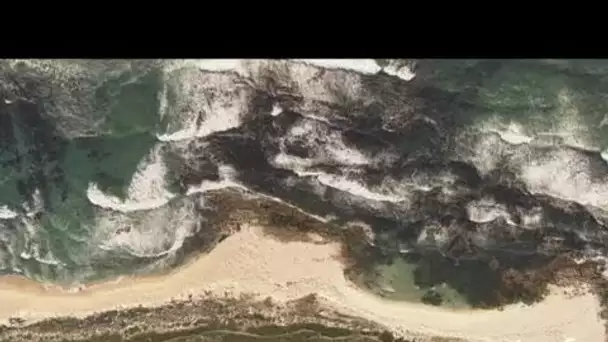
397, 281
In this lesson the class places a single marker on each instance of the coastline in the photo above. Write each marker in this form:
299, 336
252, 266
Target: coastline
250, 262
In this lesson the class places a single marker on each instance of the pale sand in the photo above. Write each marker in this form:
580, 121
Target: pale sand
249, 262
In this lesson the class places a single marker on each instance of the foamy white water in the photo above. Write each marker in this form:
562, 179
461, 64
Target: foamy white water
6, 213
147, 189
513, 135
486, 152
355, 188
564, 125
366, 66
433, 235
210, 186
147, 234
235, 65
565, 174
214, 65
403, 71
36, 206
36, 244
217, 122
276, 110
101, 199
511, 132
570, 124
227, 180
205, 103
561, 173
244, 66
531, 218
325, 145
486, 210
303, 72
227, 176
211, 99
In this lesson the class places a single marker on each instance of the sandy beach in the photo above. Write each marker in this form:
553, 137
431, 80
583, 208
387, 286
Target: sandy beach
251, 262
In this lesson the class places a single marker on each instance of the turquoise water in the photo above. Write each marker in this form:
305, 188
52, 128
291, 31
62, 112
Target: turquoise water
535, 97
61, 233
397, 281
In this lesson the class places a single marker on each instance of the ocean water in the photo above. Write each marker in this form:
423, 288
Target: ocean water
105, 165
397, 281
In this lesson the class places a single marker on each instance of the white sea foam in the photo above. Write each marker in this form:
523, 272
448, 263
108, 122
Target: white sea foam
570, 124
204, 103
227, 180
486, 210
46, 258
147, 233
235, 65
219, 64
565, 174
101, 199
303, 78
326, 146
385, 192
163, 102
246, 66
602, 259
513, 134
561, 173
354, 187
276, 110
422, 181
57, 68
366, 66
36, 244
402, 71
566, 125
146, 190
214, 123
211, 185
35, 206
434, 235
532, 218
6, 213
324, 85
485, 153
30, 234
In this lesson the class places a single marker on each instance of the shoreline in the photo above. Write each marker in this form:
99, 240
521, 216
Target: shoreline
252, 262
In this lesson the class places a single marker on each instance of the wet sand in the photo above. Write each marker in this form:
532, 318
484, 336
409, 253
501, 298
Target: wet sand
253, 263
